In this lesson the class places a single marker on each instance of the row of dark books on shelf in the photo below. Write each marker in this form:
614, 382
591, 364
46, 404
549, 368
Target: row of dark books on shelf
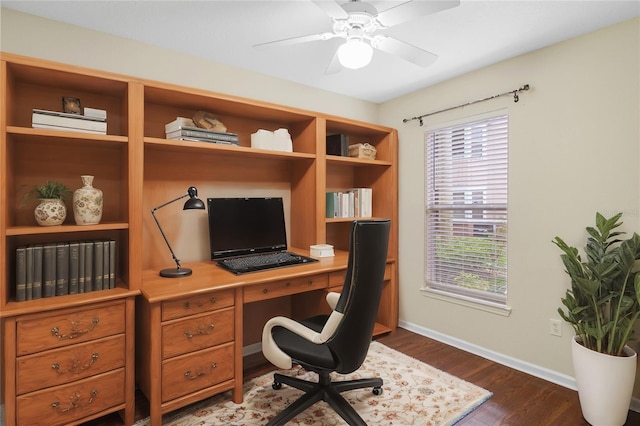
185, 129
356, 202
58, 269
92, 121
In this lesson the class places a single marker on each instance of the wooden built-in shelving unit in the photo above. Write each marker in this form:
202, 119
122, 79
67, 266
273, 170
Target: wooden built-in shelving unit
137, 169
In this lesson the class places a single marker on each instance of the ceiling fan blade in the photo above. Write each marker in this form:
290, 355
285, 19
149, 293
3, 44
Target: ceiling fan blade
334, 66
296, 40
406, 51
331, 8
412, 9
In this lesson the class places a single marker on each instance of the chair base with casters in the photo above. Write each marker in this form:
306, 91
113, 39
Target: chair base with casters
323, 390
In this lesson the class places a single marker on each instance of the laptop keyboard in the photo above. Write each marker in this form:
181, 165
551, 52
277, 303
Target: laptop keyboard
259, 262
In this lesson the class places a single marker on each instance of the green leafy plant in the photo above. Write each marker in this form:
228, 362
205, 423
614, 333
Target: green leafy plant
50, 189
603, 302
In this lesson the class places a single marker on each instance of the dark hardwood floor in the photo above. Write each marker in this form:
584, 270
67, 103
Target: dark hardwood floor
518, 398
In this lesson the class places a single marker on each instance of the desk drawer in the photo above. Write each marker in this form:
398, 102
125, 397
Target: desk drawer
285, 287
41, 332
68, 403
183, 307
189, 373
197, 332
60, 366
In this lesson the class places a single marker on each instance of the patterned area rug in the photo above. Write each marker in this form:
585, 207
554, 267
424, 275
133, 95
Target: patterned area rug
414, 393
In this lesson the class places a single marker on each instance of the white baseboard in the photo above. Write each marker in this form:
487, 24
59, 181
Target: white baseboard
526, 367
252, 349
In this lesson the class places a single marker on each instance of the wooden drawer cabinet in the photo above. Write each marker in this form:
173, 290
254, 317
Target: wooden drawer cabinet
196, 304
198, 370
72, 326
285, 287
187, 348
70, 365
68, 403
197, 332
59, 366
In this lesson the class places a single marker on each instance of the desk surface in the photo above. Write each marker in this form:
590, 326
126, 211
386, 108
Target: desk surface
208, 276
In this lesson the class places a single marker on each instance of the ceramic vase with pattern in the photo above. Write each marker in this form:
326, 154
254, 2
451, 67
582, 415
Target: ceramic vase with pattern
87, 203
50, 212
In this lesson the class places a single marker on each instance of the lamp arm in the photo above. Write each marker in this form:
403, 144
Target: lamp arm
153, 213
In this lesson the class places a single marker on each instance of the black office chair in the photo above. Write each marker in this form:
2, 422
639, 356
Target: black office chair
338, 342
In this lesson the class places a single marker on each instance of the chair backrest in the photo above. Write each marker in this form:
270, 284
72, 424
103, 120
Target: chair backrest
361, 293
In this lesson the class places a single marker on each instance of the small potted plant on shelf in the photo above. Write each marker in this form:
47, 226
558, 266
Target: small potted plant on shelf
602, 306
51, 210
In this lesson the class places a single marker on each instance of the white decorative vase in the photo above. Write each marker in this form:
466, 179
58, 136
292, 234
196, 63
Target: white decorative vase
605, 384
87, 203
50, 212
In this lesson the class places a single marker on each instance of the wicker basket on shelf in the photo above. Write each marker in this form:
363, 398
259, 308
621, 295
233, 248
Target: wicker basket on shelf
362, 150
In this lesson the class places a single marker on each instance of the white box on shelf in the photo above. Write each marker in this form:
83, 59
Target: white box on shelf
95, 113
322, 250
280, 140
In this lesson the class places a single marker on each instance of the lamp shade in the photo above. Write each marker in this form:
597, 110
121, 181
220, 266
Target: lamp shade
355, 53
193, 203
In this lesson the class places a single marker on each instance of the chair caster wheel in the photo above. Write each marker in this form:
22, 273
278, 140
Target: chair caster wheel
377, 391
276, 385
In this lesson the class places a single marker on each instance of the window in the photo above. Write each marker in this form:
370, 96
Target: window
466, 209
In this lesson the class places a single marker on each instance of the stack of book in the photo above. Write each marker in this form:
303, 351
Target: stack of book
338, 145
93, 121
57, 269
351, 203
184, 129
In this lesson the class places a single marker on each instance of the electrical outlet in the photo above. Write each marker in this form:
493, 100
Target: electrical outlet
555, 327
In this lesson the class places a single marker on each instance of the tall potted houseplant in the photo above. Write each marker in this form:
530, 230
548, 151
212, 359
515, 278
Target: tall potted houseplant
602, 305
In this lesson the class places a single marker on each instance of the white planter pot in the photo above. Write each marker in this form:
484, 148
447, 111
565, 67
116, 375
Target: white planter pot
50, 212
605, 384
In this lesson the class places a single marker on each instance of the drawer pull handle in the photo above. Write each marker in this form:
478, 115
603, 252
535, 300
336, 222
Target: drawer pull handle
265, 291
76, 365
74, 403
75, 331
201, 330
309, 283
187, 305
189, 376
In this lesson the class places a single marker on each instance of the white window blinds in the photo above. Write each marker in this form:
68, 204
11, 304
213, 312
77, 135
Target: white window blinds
466, 209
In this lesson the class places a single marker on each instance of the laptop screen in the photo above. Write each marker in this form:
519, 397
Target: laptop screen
240, 226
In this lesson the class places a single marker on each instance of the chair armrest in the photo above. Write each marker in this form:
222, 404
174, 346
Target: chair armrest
269, 347
332, 300
277, 356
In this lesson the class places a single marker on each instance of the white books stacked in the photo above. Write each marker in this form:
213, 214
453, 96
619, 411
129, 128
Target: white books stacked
96, 123
356, 202
185, 129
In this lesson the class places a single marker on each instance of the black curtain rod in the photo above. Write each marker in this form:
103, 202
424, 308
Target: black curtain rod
511, 92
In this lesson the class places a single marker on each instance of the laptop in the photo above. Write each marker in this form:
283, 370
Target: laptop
249, 234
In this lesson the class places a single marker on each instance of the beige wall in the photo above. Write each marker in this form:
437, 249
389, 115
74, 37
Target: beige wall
574, 150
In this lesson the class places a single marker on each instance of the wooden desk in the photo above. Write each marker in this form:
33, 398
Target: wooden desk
189, 331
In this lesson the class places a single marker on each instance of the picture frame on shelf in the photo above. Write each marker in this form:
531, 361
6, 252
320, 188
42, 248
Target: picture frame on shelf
71, 105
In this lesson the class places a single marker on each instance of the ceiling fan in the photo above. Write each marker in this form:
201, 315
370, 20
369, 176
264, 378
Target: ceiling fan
359, 23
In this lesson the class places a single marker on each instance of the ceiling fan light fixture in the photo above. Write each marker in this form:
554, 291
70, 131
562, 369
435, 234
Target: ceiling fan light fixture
355, 54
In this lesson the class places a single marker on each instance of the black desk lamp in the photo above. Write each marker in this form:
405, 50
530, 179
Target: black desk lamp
193, 203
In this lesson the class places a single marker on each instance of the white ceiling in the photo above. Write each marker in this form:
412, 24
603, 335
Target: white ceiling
473, 35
